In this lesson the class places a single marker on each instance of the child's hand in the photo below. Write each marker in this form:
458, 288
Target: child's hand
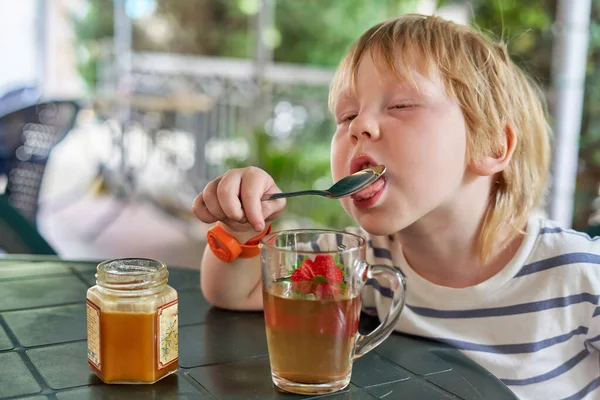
234, 199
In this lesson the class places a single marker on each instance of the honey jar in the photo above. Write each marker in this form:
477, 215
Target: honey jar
132, 322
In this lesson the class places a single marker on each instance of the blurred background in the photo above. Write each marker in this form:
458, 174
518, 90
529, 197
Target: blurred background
114, 114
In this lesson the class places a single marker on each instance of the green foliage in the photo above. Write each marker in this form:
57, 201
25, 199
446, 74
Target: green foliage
204, 27
319, 32
314, 32
526, 29
95, 27
207, 27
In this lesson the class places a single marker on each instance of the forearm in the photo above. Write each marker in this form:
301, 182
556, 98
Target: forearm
236, 285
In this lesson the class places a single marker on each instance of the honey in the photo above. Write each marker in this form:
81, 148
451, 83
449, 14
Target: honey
132, 322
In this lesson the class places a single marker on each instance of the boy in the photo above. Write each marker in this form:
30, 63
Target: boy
464, 138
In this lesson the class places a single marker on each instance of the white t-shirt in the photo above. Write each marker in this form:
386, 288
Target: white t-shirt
535, 324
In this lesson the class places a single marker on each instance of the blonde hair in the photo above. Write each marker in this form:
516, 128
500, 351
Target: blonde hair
493, 93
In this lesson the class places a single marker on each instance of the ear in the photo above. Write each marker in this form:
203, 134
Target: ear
494, 163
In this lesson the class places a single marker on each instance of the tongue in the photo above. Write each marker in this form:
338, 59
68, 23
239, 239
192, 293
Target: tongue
369, 191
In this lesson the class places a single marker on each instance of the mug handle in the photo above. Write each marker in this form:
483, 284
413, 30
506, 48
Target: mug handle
366, 343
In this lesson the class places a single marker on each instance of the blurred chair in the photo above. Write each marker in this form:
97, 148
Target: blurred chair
18, 235
30, 127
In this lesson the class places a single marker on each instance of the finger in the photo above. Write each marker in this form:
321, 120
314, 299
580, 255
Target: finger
228, 193
275, 215
237, 226
272, 209
253, 186
201, 212
211, 201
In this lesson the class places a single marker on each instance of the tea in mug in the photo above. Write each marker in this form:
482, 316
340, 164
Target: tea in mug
310, 341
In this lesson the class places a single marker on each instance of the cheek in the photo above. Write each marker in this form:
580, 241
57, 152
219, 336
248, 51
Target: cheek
446, 156
443, 142
434, 156
452, 145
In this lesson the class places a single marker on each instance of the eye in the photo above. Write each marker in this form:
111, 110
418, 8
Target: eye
346, 118
401, 106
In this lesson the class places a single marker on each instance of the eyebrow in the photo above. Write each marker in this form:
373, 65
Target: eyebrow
342, 97
345, 93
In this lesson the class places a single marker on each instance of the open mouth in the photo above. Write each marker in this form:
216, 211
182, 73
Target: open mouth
370, 191
368, 196
361, 162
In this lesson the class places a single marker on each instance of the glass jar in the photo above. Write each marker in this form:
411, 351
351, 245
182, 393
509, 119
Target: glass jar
132, 322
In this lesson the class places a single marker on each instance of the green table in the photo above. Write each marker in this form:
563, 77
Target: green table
222, 354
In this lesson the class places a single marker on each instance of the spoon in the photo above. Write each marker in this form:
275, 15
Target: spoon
342, 188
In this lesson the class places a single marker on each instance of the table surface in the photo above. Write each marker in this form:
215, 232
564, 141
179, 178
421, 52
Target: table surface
222, 354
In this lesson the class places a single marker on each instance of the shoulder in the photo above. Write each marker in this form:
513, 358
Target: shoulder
555, 239
571, 253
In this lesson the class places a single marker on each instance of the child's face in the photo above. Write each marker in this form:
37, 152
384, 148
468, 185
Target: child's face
419, 134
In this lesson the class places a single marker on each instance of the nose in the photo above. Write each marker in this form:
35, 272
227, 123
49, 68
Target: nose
364, 127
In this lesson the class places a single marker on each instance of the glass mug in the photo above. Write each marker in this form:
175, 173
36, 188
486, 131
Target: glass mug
312, 280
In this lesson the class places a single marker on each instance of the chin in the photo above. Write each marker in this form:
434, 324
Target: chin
378, 226
378, 221
378, 230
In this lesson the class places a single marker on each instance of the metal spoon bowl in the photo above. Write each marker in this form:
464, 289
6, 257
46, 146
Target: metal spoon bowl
344, 187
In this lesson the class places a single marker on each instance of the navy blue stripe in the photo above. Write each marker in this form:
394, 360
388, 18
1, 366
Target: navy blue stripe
550, 230
558, 261
593, 385
380, 252
568, 231
596, 312
339, 239
315, 246
385, 292
518, 348
551, 374
594, 339
524, 308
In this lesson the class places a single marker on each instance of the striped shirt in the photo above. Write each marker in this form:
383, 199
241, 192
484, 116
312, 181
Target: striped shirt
535, 324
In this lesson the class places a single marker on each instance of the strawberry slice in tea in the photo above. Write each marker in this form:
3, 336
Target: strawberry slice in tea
321, 277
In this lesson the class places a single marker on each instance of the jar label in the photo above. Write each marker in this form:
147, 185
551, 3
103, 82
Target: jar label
93, 333
168, 345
